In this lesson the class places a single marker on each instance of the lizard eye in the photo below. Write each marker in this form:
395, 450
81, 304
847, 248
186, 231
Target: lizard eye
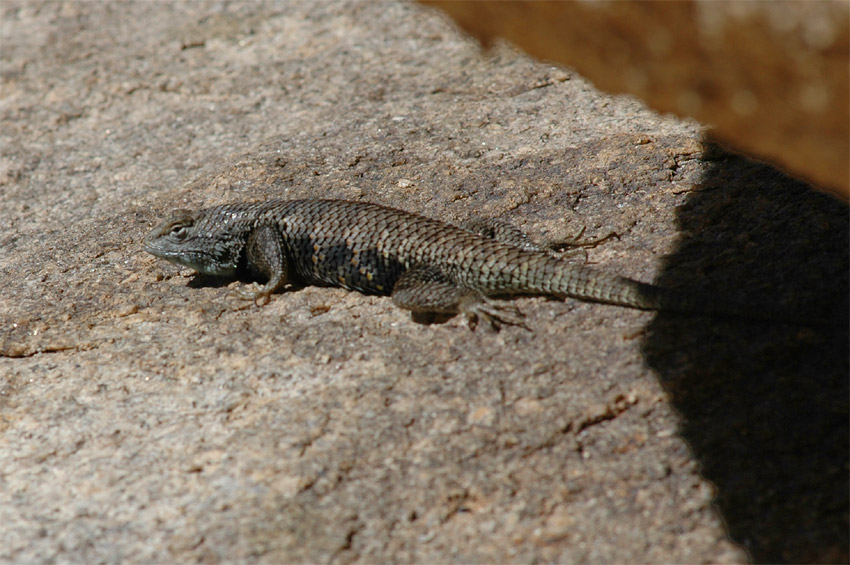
179, 232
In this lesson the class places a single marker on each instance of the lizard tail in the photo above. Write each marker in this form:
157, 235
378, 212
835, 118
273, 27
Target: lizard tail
589, 284
571, 281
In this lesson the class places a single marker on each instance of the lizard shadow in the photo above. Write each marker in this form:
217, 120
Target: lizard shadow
200, 280
764, 406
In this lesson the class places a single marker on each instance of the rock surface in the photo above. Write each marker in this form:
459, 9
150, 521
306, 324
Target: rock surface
147, 415
771, 78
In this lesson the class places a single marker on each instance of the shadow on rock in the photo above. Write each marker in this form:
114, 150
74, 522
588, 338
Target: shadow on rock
764, 406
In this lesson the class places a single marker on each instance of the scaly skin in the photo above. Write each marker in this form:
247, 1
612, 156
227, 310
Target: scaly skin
426, 265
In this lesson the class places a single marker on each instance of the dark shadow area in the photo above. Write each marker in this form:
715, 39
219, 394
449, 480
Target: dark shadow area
199, 280
764, 406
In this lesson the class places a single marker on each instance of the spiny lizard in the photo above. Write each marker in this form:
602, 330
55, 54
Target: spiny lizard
425, 265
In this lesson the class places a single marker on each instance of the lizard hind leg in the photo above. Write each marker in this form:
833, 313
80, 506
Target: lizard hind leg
427, 290
503, 232
572, 249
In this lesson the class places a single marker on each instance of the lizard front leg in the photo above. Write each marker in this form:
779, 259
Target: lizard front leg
427, 290
265, 257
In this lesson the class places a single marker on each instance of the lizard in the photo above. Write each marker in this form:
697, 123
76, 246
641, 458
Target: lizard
425, 265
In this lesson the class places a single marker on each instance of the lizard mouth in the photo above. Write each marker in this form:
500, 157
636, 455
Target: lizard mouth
200, 261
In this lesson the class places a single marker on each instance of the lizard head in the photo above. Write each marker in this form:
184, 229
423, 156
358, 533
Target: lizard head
194, 240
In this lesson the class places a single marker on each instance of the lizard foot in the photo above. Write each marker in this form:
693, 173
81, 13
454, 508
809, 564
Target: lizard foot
259, 294
495, 313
